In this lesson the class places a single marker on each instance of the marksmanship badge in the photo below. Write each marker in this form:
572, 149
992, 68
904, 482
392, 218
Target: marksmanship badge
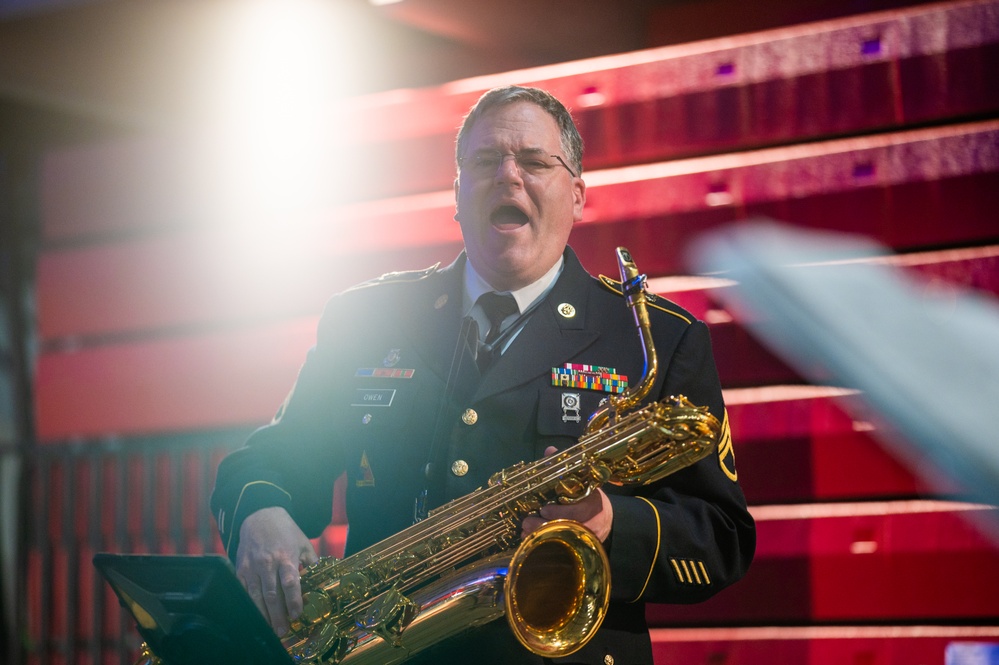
570, 407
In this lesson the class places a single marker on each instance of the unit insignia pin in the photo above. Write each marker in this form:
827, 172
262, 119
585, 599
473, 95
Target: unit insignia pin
393, 358
567, 310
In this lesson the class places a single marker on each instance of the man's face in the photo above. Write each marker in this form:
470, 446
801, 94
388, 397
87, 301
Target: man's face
515, 222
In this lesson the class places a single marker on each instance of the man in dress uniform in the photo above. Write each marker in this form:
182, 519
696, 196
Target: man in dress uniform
421, 385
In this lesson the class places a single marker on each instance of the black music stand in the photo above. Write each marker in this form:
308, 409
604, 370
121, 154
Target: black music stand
191, 610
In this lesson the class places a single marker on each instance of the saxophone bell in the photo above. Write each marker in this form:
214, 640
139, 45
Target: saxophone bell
557, 588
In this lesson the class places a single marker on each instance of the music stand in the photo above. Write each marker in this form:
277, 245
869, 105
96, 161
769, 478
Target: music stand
191, 610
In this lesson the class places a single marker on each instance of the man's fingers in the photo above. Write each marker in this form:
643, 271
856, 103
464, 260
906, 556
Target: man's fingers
309, 556
531, 523
265, 584
252, 585
291, 589
581, 511
277, 610
271, 549
594, 512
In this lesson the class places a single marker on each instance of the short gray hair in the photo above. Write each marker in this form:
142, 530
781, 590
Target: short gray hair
571, 141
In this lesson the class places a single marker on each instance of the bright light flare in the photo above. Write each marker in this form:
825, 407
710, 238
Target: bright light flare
269, 151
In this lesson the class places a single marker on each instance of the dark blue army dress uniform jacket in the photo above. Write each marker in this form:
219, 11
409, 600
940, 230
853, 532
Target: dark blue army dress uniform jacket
679, 540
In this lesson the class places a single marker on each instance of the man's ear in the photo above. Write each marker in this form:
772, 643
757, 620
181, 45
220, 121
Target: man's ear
578, 199
456, 211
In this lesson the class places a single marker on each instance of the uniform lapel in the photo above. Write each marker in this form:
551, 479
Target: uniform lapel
434, 326
552, 335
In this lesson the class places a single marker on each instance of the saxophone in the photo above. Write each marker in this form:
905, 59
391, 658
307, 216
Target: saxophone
465, 565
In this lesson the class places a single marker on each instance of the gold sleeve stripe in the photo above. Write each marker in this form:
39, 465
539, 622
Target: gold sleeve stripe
655, 557
690, 571
235, 511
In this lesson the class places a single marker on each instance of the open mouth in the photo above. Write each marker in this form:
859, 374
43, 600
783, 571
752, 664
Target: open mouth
508, 217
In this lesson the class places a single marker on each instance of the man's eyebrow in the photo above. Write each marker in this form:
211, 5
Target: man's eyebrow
529, 151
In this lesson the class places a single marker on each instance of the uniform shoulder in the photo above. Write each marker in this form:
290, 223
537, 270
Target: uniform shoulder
393, 278
380, 300
384, 294
654, 302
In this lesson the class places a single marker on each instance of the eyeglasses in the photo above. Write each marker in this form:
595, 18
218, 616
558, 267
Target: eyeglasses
485, 163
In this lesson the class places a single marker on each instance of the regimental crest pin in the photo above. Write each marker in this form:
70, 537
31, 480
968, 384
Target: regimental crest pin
365, 478
393, 358
570, 407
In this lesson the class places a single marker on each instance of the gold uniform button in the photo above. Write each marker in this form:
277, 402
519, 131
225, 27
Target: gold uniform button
459, 467
608, 660
469, 417
440, 302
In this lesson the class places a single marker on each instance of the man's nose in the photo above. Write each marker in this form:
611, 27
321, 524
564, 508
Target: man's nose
508, 168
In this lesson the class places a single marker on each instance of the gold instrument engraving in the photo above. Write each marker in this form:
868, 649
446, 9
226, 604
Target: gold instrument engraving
464, 564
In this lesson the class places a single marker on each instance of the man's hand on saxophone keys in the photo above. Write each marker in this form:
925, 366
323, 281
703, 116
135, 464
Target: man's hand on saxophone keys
271, 551
594, 512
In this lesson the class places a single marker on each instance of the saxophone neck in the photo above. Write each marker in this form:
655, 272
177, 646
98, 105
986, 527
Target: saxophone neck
633, 289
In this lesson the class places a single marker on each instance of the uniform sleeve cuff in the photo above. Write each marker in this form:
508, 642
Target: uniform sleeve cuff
254, 496
633, 557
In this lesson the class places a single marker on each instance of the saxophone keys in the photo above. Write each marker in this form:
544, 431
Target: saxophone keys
571, 490
316, 607
307, 644
600, 473
389, 615
526, 505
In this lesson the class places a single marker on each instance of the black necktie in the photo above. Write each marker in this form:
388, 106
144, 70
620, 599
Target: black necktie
496, 307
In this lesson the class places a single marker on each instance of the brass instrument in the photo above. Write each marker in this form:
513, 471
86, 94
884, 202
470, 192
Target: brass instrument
464, 565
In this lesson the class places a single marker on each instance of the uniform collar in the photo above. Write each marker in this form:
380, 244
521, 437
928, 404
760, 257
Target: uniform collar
555, 333
552, 335
476, 285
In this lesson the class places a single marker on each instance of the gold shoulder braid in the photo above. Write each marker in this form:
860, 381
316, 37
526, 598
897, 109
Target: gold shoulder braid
651, 299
